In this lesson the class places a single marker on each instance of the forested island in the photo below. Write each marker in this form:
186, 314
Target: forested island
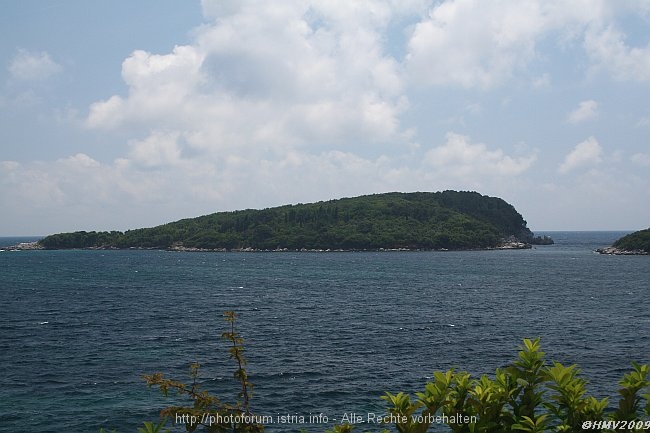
637, 243
448, 220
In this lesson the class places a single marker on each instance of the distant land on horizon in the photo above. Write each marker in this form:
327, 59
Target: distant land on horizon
448, 220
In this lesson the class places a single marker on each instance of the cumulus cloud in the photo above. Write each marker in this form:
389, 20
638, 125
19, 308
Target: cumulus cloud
33, 66
460, 158
586, 153
320, 74
160, 88
441, 50
587, 110
608, 50
641, 159
96, 192
265, 75
161, 148
477, 44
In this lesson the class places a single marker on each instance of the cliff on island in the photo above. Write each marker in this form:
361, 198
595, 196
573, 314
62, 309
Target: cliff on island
637, 243
448, 220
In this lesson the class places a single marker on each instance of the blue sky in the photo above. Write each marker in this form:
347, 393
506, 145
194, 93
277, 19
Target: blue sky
122, 114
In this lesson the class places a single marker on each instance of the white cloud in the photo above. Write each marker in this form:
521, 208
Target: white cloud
160, 88
642, 159
95, 191
160, 148
81, 160
318, 74
608, 51
587, 110
38, 187
586, 153
266, 76
442, 50
31, 66
460, 158
478, 44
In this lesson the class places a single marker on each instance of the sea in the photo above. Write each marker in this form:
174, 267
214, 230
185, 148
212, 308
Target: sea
326, 334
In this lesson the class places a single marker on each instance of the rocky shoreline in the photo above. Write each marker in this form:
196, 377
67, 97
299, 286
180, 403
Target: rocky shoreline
510, 245
613, 251
24, 246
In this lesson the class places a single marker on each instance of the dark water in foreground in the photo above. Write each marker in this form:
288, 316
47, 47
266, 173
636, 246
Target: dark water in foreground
325, 332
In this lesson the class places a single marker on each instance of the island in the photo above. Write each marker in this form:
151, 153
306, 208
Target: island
637, 243
447, 220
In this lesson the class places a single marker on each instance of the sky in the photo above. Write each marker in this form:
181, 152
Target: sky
120, 114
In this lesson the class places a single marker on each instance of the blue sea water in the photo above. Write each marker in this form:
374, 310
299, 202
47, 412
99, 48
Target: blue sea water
325, 332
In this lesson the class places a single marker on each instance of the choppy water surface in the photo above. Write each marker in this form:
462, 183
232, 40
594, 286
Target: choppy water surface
325, 332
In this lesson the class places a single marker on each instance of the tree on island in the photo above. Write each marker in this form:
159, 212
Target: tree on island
420, 220
639, 240
637, 243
